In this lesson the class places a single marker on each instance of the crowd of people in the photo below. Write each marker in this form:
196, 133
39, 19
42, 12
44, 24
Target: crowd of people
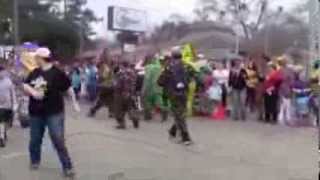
137, 89
163, 83
234, 89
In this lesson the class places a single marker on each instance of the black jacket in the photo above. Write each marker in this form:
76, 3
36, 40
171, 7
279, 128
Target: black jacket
237, 80
172, 75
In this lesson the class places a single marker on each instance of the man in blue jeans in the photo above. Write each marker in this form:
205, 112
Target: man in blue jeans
46, 86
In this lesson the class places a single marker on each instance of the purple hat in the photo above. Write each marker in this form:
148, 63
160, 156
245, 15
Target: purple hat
29, 45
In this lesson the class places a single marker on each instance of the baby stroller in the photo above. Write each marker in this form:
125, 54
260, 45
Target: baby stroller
302, 98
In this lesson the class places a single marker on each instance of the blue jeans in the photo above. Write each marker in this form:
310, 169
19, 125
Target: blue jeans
92, 92
55, 124
238, 102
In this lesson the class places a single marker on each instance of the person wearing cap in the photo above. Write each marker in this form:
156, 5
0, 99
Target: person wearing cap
7, 104
174, 80
46, 86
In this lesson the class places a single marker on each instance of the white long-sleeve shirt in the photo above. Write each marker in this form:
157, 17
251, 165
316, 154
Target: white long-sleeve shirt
222, 76
7, 93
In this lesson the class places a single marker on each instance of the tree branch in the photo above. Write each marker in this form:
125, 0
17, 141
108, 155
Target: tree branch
245, 29
263, 8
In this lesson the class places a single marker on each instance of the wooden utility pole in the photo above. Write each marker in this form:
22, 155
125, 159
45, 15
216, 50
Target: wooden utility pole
16, 22
65, 9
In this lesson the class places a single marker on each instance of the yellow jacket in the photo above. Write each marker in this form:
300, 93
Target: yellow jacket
252, 78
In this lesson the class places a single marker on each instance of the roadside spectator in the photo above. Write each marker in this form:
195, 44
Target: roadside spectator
237, 83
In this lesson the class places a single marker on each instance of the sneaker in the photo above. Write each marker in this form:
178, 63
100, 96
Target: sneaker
34, 166
187, 143
2, 143
69, 173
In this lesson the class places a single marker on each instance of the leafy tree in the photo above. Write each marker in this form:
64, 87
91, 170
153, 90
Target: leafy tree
83, 17
64, 42
43, 21
4, 9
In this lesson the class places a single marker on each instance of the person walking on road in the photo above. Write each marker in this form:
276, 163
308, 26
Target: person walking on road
151, 91
91, 81
124, 95
174, 80
76, 81
46, 86
7, 104
105, 96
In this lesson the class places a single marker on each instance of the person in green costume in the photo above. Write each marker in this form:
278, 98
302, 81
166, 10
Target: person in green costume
151, 91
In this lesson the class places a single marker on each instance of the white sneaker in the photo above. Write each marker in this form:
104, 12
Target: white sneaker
187, 143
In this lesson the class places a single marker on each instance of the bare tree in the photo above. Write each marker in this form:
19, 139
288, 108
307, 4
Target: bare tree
177, 18
249, 14
288, 32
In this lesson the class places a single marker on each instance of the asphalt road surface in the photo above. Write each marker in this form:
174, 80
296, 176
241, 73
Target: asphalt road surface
225, 150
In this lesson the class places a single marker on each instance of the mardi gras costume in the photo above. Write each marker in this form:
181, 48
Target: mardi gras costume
152, 92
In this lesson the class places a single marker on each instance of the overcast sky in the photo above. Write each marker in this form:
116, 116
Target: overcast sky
159, 10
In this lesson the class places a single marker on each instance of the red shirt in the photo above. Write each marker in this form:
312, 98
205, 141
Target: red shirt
273, 80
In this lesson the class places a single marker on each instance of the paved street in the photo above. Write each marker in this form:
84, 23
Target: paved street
222, 151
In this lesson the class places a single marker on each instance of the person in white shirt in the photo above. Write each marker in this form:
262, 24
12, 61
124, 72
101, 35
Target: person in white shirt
221, 74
